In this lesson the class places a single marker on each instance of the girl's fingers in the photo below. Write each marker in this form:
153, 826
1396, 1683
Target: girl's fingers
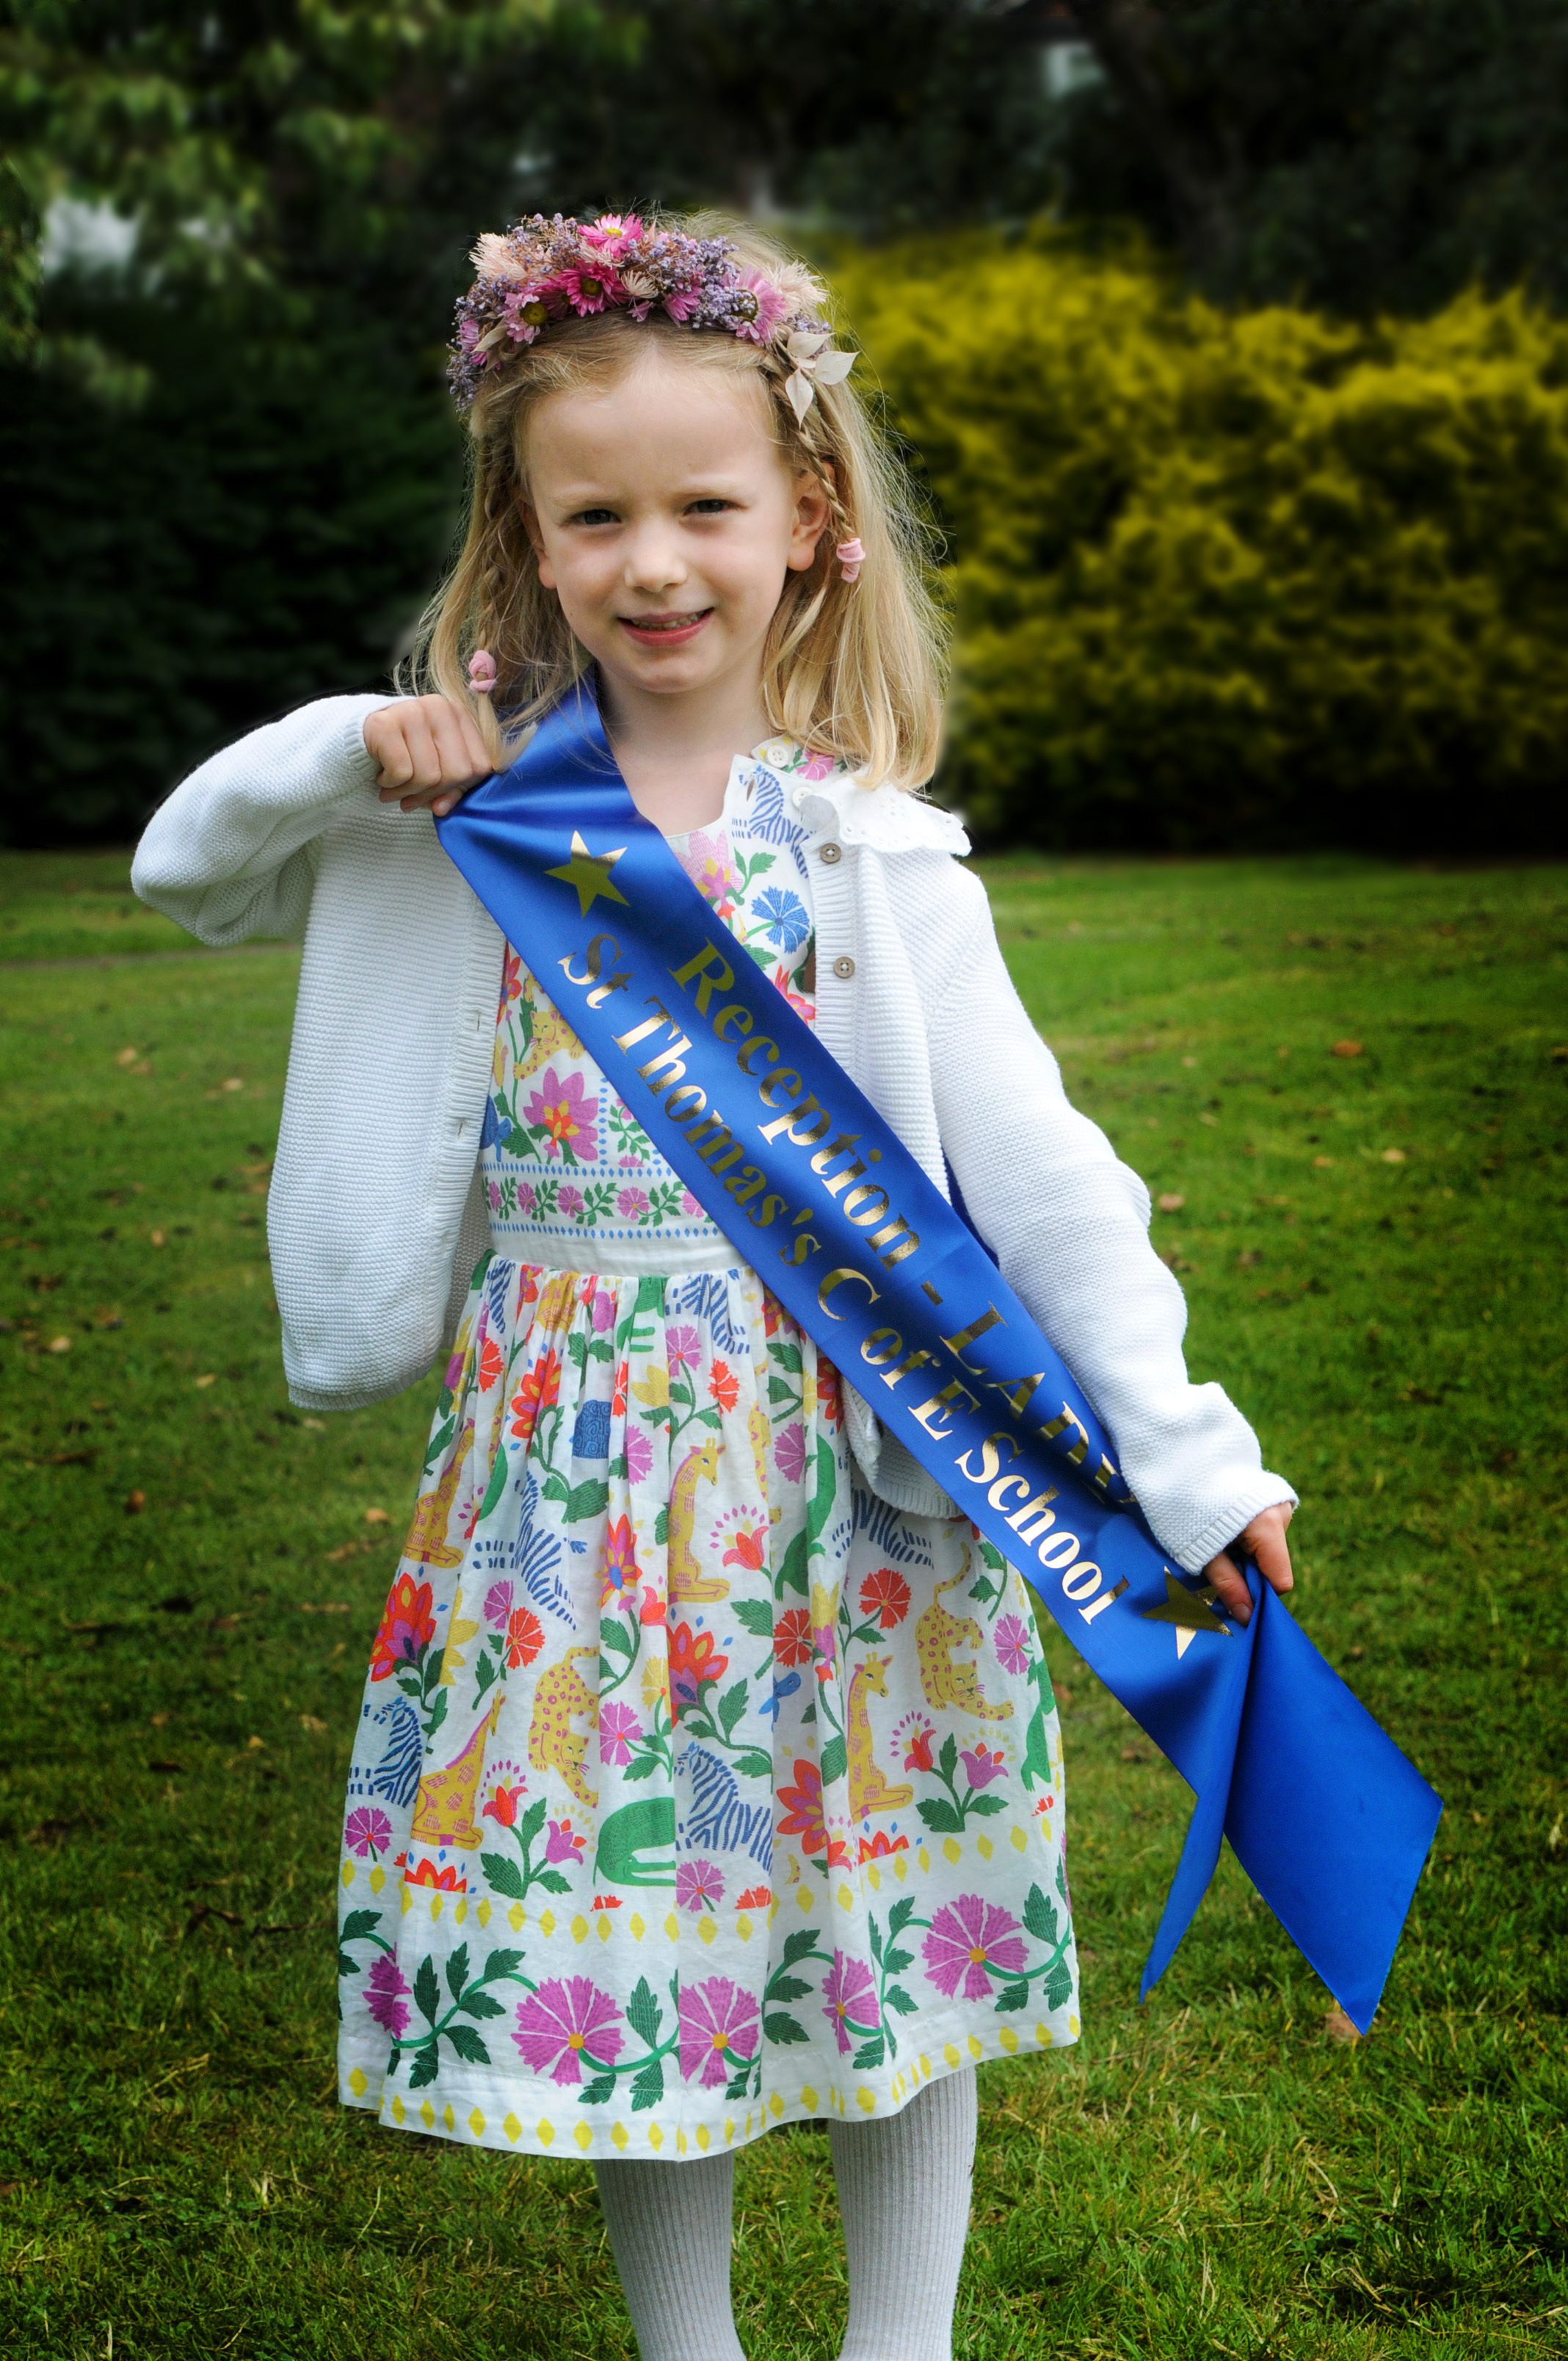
1267, 1536
1228, 1586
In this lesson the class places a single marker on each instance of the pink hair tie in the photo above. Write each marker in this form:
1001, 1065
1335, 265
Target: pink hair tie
481, 672
851, 557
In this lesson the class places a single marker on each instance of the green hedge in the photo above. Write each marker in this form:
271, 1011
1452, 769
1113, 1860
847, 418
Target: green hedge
256, 529
1235, 580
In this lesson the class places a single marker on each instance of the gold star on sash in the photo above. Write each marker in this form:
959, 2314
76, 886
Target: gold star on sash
589, 874
1188, 1611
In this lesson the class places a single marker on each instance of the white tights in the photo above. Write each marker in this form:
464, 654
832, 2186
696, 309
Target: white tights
904, 2192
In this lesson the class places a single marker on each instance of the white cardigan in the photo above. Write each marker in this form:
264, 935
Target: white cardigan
376, 1216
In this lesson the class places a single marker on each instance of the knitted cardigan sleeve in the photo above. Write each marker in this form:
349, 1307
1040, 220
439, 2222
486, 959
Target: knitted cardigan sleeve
1069, 1224
233, 851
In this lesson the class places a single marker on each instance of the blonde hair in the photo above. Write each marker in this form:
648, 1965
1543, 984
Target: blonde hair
854, 670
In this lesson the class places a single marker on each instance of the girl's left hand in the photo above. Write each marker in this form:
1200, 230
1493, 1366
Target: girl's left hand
1265, 1541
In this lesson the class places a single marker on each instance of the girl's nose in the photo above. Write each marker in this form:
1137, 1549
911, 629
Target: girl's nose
654, 561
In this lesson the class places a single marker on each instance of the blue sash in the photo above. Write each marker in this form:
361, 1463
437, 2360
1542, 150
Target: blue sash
822, 1200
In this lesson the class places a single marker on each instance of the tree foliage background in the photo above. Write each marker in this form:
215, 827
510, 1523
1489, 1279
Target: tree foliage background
226, 462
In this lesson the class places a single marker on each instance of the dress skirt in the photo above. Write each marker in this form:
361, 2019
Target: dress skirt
695, 1789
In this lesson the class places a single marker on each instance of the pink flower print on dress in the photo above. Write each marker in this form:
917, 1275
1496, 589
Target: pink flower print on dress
968, 1939
631, 1204
690, 1206
708, 863
849, 1991
716, 2017
570, 1201
497, 1605
817, 765
1013, 1646
367, 1830
565, 2018
684, 1346
789, 1452
561, 1108
982, 1766
638, 1455
698, 1885
387, 1994
618, 1726
561, 1842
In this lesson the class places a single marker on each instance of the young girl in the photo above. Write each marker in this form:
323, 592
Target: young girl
651, 1842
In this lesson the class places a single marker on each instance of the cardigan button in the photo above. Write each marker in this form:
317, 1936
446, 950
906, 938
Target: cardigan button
844, 968
831, 853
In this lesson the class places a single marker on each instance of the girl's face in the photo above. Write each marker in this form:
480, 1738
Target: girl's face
666, 520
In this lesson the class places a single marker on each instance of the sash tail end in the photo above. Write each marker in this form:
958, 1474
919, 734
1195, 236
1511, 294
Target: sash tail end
1330, 1821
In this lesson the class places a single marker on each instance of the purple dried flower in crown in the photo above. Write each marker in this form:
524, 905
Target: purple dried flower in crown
539, 273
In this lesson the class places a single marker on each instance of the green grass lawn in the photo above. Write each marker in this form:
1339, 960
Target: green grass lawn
1372, 1247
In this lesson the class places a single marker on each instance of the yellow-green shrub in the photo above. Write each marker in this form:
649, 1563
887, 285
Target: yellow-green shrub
1223, 578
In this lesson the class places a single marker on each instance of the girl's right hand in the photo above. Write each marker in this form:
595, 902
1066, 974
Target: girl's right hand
429, 751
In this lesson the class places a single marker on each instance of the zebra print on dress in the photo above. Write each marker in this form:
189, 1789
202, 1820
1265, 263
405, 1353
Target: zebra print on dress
396, 1776
535, 1555
715, 1818
890, 1531
706, 1296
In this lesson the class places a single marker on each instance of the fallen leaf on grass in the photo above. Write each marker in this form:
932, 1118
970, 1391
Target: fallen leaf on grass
1393, 1156
323, 1606
1347, 1049
1171, 1202
377, 1517
210, 1380
255, 1744
60, 1345
1322, 1162
126, 1057
135, 1503
158, 1237
312, 1721
1338, 2027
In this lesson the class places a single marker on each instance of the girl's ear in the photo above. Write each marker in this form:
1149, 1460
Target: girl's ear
536, 541
811, 515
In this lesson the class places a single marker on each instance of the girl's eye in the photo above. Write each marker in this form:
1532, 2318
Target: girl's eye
594, 516
709, 507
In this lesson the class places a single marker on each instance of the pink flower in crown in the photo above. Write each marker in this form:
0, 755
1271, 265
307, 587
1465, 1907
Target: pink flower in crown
591, 289
771, 307
612, 231
683, 303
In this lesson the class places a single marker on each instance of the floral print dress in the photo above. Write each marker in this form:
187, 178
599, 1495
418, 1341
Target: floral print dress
695, 1789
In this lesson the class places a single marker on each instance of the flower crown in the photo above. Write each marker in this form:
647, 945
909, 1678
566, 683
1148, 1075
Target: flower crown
540, 271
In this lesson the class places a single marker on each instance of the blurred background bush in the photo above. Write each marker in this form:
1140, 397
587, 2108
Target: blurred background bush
1227, 334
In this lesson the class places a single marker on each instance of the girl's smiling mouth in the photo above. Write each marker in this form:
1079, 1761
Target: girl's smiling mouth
664, 631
